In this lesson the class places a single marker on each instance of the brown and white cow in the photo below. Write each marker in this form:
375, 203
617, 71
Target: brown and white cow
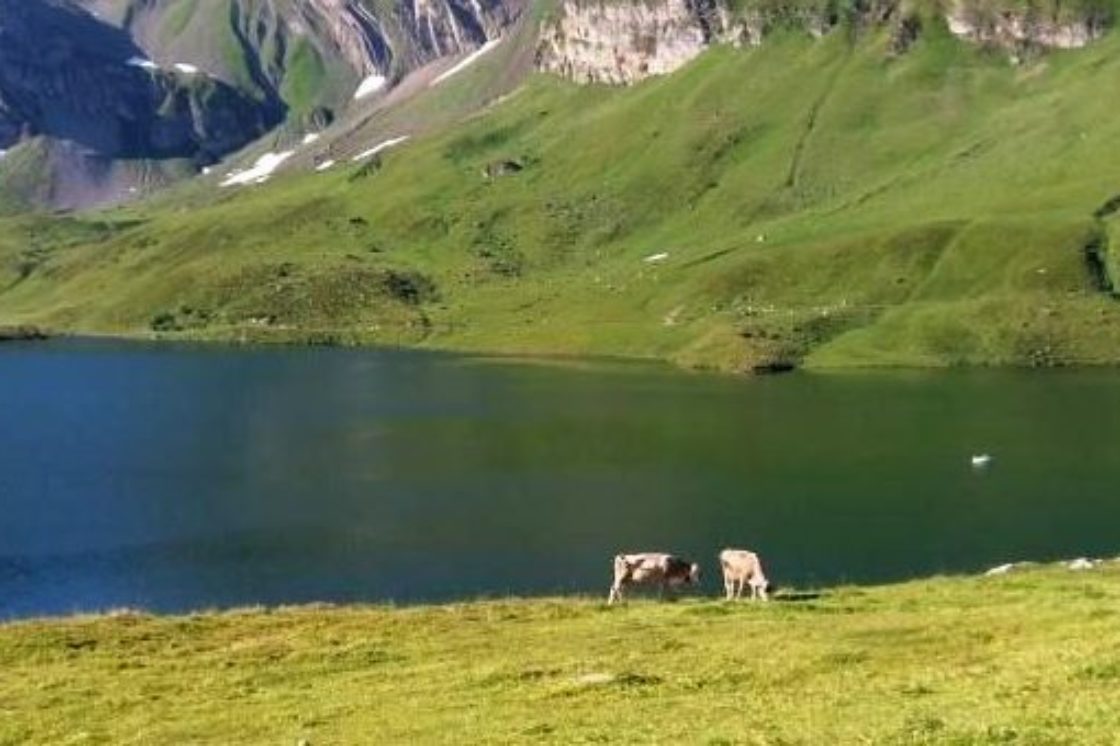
651, 568
742, 568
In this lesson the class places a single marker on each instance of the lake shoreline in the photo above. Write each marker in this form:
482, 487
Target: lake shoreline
957, 658
23, 333
223, 477
343, 339
780, 594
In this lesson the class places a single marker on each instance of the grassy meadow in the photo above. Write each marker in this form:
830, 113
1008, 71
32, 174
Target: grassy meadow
1032, 657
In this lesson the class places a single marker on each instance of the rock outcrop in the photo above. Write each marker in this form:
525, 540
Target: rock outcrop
1023, 29
623, 41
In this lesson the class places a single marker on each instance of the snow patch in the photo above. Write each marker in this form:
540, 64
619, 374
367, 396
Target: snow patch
379, 147
260, 171
141, 62
1082, 563
1001, 569
370, 86
324, 165
466, 62
981, 460
3, 153
310, 137
654, 258
186, 69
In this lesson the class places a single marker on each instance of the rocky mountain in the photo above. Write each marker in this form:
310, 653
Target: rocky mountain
306, 55
71, 83
103, 99
597, 41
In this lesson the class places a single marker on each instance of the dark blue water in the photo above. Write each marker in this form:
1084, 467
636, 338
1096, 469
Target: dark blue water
184, 477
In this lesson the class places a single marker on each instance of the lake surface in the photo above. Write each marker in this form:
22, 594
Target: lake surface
178, 477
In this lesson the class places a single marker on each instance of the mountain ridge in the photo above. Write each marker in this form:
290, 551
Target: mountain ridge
271, 65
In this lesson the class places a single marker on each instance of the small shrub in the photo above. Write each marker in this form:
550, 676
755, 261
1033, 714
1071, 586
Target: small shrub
164, 322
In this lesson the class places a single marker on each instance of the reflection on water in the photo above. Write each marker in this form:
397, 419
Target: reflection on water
175, 477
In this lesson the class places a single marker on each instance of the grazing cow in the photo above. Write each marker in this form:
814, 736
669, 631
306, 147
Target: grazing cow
651, 568
741, 568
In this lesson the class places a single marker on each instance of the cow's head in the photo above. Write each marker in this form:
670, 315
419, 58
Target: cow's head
694, 573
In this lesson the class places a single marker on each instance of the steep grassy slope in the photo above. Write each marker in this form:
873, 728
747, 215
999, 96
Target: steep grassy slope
1027, 658
826, 201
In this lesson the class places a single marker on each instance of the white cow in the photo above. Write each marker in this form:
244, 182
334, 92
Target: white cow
743, 568
651, 568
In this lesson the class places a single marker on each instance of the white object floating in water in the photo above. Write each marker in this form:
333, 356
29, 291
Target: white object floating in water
310, 137
370, 86
467, 61
1001, 569
379, 147
324, 165
981, 460
141, 62
1081, 563
654, 258
187, 69
260, 171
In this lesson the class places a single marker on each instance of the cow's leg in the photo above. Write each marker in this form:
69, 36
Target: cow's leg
738, 587
615, 594
728, 588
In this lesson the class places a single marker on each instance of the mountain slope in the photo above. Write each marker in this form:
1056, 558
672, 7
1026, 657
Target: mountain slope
112, 99
306, 55
68, 92
807, 201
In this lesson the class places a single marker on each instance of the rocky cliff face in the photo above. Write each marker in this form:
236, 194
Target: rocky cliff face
1018, 29
66, 75
624, 41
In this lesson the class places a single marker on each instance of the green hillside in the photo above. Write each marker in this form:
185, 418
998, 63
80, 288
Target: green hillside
822, 202
1028, 658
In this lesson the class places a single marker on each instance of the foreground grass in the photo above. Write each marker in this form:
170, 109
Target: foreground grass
1032, 657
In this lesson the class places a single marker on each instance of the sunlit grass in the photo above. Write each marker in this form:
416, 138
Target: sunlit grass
1033, 657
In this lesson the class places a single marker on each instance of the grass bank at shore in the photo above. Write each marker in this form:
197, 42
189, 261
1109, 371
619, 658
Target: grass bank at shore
1029, 657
